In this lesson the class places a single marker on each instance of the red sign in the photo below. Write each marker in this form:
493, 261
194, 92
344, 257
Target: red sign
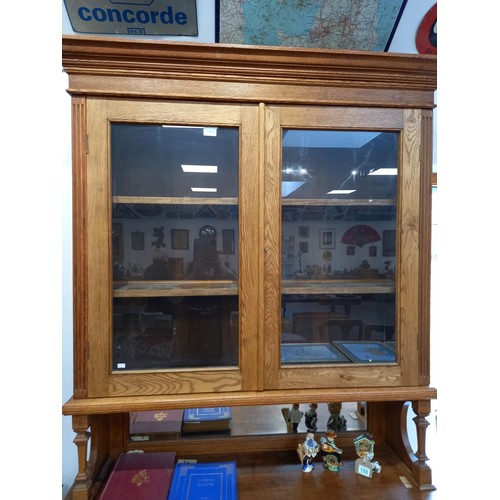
426, 39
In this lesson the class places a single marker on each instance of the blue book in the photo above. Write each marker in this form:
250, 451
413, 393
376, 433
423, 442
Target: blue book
207, 419
204, 481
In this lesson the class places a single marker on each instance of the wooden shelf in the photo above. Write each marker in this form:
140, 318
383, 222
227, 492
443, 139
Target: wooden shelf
141, 288
174, 288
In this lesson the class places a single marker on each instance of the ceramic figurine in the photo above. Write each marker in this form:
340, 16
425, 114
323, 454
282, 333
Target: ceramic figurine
312, 418
307, 451
364, 466
336, 422
292, 417
330, 452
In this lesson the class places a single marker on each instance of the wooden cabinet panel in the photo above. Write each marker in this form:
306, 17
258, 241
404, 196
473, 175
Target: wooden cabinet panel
218, 338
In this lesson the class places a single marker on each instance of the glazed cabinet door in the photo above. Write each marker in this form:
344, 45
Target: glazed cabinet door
343, 227
172, 226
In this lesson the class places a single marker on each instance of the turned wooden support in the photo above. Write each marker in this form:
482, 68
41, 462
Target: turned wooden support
420, 469
81, 486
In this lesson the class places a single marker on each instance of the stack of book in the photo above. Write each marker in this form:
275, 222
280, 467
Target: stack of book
217, 419
161, 424
138, 475
192, 481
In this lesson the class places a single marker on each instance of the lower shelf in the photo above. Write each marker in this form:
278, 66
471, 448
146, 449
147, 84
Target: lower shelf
279, 475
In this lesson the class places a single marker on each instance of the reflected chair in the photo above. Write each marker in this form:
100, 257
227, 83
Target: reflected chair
382, 333
341, 329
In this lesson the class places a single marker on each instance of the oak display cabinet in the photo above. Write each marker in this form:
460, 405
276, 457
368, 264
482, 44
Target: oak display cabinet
251, 227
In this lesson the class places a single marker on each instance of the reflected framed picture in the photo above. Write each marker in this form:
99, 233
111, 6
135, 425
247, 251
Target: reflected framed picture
137, 239
389, 243
327, 238
228, 241
303, 231
180, 239
303, 247
117, 241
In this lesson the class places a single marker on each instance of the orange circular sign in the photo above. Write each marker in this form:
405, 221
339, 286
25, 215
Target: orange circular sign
426, 39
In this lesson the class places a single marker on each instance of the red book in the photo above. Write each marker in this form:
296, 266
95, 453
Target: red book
137, 476
165, 424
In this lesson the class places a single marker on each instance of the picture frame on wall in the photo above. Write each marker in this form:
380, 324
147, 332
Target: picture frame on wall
303, 231
117, 241
327, 238
303, 247
389, 243
228, 241
180, 239
137, 240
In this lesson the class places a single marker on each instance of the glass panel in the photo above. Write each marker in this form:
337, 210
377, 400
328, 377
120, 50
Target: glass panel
339, 192
266, 420
174, 246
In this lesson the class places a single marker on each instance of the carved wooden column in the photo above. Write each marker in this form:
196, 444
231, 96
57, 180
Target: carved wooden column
81, 488
421, 471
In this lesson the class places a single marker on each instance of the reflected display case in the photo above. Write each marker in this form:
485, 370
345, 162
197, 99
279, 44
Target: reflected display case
253, 229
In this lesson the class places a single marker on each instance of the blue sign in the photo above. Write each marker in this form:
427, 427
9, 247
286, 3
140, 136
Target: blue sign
133, 17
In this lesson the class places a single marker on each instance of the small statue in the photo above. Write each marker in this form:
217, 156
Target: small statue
307, 451
312, 418
292, 417
295, 416
330, 452
364, 466
336, 421
160, 237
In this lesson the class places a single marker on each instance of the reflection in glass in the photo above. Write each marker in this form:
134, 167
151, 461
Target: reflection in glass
174, 246
339, 201
175, 332
249, 421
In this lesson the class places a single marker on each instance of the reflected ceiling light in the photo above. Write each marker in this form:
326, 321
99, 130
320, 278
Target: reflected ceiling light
203, 190
288, 187
200, 169
295, 171
384, 171
341, 191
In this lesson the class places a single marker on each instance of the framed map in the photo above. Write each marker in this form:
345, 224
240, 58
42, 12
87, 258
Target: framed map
330, 24
366, 351
311, 353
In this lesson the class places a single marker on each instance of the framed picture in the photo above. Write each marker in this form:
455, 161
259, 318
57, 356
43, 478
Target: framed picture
303, 247
350, 250
117, 241
373, 251
327, 238
389, 243
137, 238
228, 241
303, 231
312, 353
251, 22
180, 239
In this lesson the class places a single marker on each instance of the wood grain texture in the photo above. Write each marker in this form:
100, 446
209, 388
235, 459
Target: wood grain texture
243, 398
115, 67
408, 246
80, 257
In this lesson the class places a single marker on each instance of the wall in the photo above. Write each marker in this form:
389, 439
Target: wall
402, 42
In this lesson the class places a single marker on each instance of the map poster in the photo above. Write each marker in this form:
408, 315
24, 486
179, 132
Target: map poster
330, 24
